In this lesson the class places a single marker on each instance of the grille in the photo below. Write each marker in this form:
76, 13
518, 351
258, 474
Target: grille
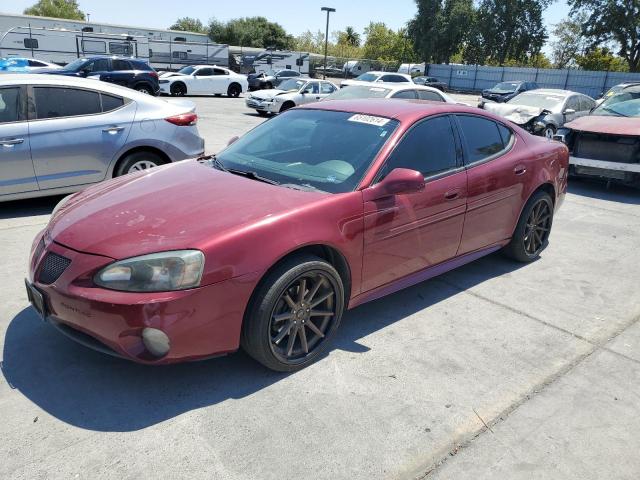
611, 148
52, 267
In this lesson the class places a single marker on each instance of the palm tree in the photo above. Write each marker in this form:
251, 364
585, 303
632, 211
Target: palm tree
352, 37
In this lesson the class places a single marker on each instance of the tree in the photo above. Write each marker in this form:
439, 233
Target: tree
510, 29
423, 28
57, 9
600, 59
615, 21
251, 32
188, 24
351, 37
569, 42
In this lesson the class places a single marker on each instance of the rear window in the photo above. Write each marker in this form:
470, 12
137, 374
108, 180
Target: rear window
429, 95
121, 65
55, 102
359, 91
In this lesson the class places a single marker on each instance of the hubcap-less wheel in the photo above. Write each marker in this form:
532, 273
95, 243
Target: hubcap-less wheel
144, 90
549, 132
178, 90
537, 228
141, 165
303, 317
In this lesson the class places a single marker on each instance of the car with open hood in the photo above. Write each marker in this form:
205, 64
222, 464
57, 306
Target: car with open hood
203, 80
314, 212
543, 111
270, 79
606, 143
505, 91
289, 94
405, 91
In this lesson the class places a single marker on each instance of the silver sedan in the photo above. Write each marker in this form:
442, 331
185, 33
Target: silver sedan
60, 134
289, 94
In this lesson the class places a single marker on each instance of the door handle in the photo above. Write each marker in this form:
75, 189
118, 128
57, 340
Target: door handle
113, 130
520, 170
452, 195
12, 142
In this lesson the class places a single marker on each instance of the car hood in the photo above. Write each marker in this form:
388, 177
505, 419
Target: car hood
172, 74
177, 206
491, 91
268, 94
606, 124
519, 114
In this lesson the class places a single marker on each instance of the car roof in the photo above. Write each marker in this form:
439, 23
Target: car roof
552, 91
403, 110
66, 81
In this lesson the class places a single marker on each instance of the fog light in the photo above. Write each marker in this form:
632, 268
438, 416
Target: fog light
156, 342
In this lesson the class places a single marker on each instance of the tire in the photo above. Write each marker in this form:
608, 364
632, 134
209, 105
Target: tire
548, 132
143, 88
286, 106
277, 301
234, 90
137, 161
268, 86
262, 113
526, 245
178, 89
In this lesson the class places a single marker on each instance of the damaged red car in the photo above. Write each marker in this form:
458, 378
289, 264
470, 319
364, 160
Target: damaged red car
606, 144
311, 213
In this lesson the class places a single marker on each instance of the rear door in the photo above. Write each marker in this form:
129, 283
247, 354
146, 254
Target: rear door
16, 169
121, 72
75, 133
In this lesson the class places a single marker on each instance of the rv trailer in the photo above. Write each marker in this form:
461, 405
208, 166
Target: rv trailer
275, 60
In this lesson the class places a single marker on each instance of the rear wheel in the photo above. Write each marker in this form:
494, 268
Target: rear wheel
531, 236
234, 90
146, 89
137, 161
178, 89
294, 314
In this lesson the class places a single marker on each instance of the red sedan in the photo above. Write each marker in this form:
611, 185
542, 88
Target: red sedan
313, 212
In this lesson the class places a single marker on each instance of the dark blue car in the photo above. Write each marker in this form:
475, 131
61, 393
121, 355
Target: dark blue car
128, 72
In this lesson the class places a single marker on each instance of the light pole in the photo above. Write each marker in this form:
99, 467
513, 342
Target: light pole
326, 40
88, 17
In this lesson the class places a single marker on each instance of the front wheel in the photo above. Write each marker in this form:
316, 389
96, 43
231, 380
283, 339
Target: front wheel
134, 162
178, 89
549, 131
531, 235
294, 314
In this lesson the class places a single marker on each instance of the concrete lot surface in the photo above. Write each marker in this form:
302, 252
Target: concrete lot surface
497, 370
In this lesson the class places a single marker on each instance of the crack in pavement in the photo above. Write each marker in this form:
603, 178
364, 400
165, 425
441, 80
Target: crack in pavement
466, 440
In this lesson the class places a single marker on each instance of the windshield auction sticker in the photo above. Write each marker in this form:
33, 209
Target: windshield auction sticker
369, 120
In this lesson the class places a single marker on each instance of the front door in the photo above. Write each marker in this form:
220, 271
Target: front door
16, 168
202, 82
404, 234
74, 135
220, 81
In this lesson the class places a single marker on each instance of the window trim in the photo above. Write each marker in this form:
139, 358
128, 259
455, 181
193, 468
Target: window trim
31, 102
465, 149
436, 176
22, 103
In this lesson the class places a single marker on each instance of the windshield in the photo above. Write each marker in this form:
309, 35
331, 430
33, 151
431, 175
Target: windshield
312, 149
360, 91
537, 100
75, 65
506, 87
626, 103
289, 85
367, 77
187, 70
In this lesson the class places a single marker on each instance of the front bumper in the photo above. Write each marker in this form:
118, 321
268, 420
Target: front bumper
199, 323
165, 89
626, 172
262, 105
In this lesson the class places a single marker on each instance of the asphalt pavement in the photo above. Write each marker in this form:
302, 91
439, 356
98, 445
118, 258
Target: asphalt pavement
496, 370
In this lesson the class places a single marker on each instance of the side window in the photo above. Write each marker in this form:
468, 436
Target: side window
9, 105
101, 65
53, 102
586, 103
219, 71
30, 43
326, 88
94, 46
204, 72
429, 95
111, 102
506, 134
121, 65
428, 147
482, 137
35, 63
312, 87
120, 48
573, 103
393, 78
411, 94
179, 55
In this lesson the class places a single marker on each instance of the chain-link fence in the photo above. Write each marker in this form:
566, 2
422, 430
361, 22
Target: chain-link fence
345, 67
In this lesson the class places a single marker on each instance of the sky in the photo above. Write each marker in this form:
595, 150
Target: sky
295, 16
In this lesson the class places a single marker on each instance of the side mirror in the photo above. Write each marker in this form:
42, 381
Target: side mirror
569, 111
233, 140
399, 182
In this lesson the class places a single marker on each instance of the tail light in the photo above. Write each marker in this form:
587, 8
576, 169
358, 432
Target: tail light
183, 120
154, 74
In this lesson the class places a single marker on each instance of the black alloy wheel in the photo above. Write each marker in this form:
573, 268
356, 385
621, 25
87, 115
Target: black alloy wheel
234, 91
531, 235
178, 90
293, 313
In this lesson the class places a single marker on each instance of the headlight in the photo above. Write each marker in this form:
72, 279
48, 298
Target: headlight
163, 81
157, 272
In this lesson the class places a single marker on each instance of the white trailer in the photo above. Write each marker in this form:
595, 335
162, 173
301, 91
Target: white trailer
354, 68
62, 41
276, 60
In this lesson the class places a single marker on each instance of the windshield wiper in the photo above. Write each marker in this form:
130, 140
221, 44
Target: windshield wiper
614, 111
252, 175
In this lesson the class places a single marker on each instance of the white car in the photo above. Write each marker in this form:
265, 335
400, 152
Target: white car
290, 93
203, 80
378, 77
390, 90
25, 65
